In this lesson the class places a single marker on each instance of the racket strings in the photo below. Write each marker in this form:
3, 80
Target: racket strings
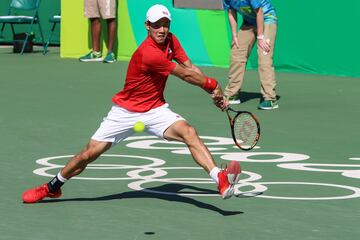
245, 130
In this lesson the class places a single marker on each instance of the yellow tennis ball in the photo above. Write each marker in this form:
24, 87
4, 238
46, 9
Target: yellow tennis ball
139, 127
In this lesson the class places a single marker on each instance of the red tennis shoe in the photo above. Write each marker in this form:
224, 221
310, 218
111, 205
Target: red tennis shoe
228, 177
36, 194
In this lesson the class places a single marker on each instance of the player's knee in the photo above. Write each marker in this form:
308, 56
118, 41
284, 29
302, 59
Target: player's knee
190, 135
86, 156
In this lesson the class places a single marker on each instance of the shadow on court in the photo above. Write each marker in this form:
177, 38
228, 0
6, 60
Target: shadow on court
247, 96
167, 192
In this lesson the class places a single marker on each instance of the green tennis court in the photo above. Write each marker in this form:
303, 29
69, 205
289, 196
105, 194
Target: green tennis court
302, 182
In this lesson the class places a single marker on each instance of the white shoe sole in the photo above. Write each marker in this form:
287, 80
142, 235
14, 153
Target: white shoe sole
92, 60
234, 171
234, 101
269, 108
228, 193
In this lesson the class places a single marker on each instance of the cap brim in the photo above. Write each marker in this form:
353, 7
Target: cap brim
153, 20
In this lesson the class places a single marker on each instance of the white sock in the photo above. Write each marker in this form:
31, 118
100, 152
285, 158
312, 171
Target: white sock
214, 174
61, 178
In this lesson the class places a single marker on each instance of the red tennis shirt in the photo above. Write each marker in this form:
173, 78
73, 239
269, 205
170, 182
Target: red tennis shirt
148, 70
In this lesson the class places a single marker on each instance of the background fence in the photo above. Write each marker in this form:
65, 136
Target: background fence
313, 36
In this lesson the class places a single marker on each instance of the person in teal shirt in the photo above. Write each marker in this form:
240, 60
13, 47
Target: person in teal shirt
259, 24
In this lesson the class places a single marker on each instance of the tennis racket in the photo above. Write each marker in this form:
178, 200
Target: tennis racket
245, 129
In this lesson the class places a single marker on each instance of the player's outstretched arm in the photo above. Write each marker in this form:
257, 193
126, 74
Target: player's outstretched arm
189, 65
208, 84
189, 75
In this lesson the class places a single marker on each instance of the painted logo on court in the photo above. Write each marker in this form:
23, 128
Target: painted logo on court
145, 171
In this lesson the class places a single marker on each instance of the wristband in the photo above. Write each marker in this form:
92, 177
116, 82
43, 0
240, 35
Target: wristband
209, 84
260, 37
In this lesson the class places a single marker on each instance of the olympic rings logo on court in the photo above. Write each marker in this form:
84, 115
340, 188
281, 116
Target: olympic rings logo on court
154, 172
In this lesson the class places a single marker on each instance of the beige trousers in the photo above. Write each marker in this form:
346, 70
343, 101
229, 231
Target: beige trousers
95, 8
239, 57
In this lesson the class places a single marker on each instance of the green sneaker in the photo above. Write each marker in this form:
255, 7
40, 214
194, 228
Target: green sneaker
268, 105
91, 57
234, 99
110, 58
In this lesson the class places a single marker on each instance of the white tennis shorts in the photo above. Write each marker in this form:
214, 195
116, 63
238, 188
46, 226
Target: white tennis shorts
119, 122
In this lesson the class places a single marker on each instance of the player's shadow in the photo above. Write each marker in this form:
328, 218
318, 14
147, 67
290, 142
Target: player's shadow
167, 192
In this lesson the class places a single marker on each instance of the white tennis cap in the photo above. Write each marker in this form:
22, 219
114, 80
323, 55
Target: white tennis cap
156, 12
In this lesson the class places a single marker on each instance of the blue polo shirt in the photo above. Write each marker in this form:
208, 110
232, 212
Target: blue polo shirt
246, 9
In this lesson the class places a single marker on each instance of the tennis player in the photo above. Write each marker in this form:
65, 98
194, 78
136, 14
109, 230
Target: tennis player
142, 99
